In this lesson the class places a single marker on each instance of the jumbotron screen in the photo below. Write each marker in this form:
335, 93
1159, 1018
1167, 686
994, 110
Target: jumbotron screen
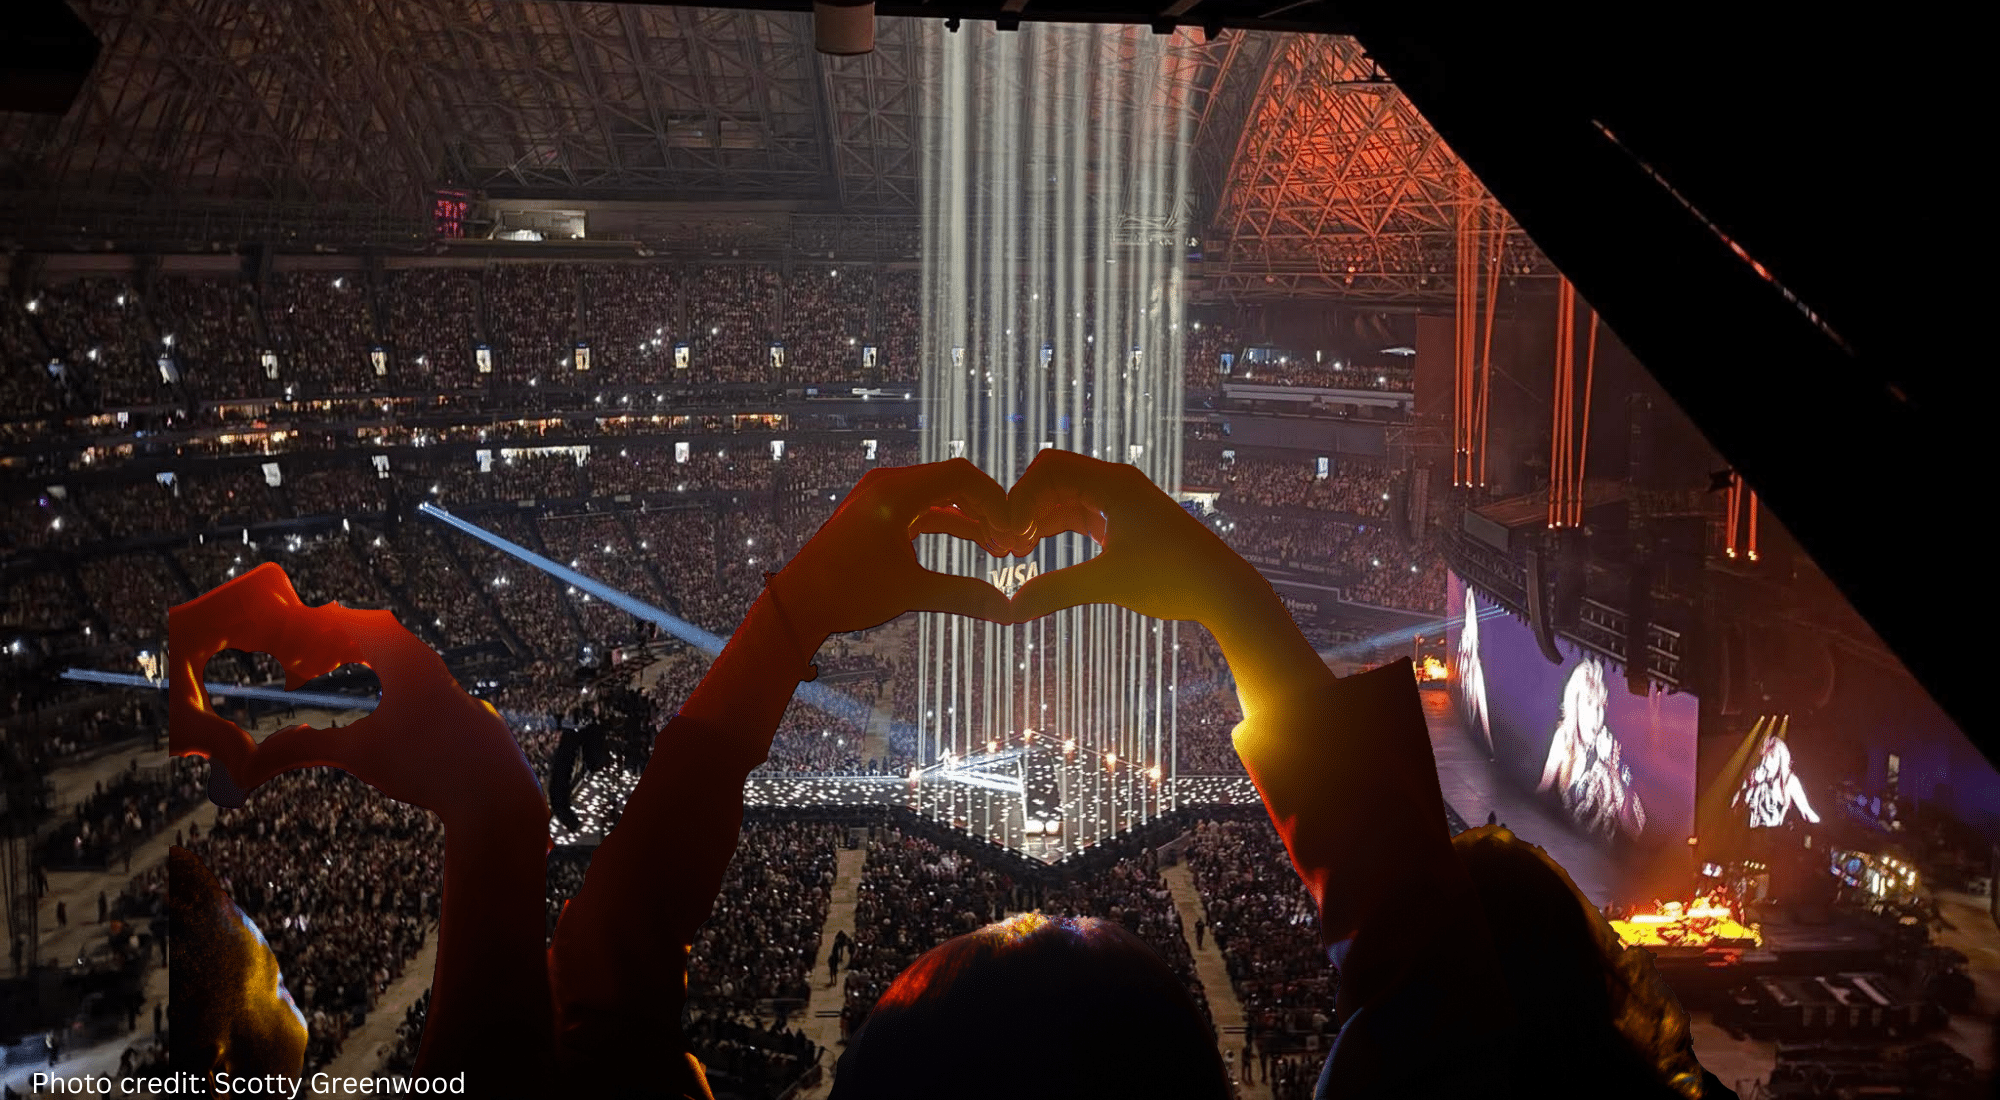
1620, 767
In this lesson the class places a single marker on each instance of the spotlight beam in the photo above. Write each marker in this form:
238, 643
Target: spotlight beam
817, 696
1401, 634
327, 699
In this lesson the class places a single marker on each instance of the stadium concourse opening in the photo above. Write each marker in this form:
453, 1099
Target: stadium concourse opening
557, 352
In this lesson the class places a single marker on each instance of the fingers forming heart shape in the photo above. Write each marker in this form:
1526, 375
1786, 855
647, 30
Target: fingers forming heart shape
1152, 556
427, 743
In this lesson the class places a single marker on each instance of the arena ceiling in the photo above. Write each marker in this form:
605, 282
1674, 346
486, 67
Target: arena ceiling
1310, 167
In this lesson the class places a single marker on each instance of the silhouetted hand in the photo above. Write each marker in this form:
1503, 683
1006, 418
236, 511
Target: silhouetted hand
1156, 558
861, 570
427, 742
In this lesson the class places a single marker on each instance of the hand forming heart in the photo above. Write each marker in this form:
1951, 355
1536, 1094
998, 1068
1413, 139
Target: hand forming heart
428, 743
1155, 558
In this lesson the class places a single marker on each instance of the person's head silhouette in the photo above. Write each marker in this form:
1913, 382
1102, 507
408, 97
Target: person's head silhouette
1038, 1006
1590, 1017
230, 1011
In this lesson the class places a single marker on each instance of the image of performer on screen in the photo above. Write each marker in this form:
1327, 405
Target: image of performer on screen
1585, 767
1772, 788
1472, 675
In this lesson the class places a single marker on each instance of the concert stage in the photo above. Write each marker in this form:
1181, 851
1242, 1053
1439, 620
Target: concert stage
1042, 803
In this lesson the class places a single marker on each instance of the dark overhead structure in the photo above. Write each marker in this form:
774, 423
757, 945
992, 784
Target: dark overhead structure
45, 57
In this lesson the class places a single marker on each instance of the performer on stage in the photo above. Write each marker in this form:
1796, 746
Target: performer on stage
1772, 788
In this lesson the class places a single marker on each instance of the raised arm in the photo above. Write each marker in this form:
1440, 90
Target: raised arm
428, 743
1344, 766
620, 955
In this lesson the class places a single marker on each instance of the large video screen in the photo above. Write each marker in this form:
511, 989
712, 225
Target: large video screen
1619, 766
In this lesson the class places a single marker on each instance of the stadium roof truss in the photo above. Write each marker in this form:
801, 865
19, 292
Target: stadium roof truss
1317, 176
1338, 185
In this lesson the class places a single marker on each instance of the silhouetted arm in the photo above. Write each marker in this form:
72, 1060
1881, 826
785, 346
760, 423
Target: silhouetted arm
427, 743
1344, 767
620, 955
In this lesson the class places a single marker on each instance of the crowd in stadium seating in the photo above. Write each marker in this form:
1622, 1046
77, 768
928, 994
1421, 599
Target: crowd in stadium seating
132, 592
531, 601
324, 328
232, 495
321, 325
1206, 343
731, 307
900, 318
142, 507
433, 324
809, 742
532, 308
763, 935
37, 601
26, 389
1373, 564
632, 318
1264, 922
113, 820
93, 327
345, 489
1417, 586
913, 896
825, 321
1330, 373
213, 328
343, 923
1353, 485
1208, 713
